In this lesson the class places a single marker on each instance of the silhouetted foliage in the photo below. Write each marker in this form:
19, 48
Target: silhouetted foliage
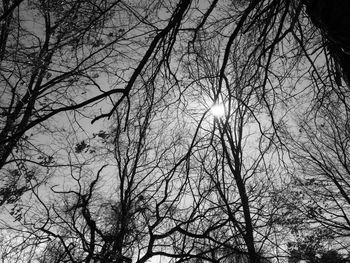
111, 150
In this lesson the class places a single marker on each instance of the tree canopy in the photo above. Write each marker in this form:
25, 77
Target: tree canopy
176, 131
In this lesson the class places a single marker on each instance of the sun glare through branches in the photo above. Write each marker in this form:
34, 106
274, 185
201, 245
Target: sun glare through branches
218, 110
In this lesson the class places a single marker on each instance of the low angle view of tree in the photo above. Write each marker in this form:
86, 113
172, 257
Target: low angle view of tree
174, 131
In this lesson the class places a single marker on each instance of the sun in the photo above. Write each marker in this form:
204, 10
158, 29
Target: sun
218, 110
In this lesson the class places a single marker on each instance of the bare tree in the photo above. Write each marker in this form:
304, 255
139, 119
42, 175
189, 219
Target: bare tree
56, 58
319, 149
167, 177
